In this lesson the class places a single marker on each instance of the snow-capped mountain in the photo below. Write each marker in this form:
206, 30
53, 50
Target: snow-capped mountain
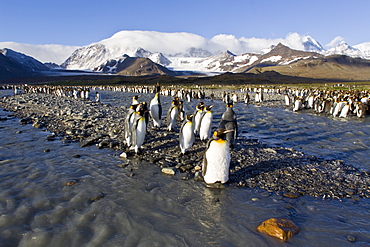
344, 49
27, 62
179, 51
14, 64
93, 56
190, 52
365, 48
50, 53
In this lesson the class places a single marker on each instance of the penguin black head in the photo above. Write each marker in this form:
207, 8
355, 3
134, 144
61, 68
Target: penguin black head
221, 133
208, 108
230, 104
136, 97
189, 117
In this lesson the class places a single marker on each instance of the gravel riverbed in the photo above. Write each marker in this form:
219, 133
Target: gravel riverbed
254, 164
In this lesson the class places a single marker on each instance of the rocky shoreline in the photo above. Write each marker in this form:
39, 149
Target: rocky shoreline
278, 170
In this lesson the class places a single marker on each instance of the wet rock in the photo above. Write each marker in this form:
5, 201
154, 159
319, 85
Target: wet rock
280, 228
70, 183
351, 238
97, 198
350, 191
291, 195
169, 171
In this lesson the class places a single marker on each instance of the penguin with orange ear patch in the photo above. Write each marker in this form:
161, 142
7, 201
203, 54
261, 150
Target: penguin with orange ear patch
216, 161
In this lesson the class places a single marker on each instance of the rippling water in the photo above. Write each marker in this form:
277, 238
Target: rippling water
139, 206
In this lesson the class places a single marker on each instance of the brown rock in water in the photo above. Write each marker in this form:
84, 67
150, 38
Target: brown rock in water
279, 227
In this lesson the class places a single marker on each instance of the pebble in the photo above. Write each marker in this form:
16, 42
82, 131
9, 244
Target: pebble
351, 238
168, 171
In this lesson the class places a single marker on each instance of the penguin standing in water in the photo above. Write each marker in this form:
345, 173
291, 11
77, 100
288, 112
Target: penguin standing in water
216, 160
172, 114
155, 110
297, 104
139, 126
186, 135
287, 100
206, 124
228, 122
246, 98
345, 110
197, 116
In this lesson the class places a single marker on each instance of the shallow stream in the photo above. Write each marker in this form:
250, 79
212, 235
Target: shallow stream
137, 205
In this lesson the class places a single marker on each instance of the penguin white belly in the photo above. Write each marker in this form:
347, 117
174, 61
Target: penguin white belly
297, 105
338, 108
205, 126
197, 122
187, 137
140, 133
344, 112
173, 116
218, 162
310, 102
257, 97
287, 100
154, 112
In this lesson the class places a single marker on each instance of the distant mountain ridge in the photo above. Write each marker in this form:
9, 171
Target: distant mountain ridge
190, 52
15, 64
155, 53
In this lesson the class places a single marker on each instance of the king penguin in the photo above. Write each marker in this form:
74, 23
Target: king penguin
155, 109
186, 135
216, 160
206, 124
139, 127
135, 100
228, 122
197, 116
128, 124
172, 115
297, 104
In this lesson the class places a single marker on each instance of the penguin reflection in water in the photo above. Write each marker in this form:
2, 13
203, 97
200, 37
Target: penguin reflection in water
216, 161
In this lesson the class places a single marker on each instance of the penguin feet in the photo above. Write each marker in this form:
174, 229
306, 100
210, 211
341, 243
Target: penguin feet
217, 185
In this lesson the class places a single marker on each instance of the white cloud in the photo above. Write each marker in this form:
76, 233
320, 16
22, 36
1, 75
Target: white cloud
44, 53
336, 41
166, 43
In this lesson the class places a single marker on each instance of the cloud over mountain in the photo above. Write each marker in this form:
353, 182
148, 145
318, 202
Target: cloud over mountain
44, 53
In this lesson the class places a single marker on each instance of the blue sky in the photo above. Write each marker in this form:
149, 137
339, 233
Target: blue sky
80, 22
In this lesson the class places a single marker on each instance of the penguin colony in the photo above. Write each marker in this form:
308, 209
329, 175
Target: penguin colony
216, 161
197, 125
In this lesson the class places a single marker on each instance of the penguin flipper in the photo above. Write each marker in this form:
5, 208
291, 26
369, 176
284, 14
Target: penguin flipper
160, 111
133, 129
168, 117
205, 163
222, 124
